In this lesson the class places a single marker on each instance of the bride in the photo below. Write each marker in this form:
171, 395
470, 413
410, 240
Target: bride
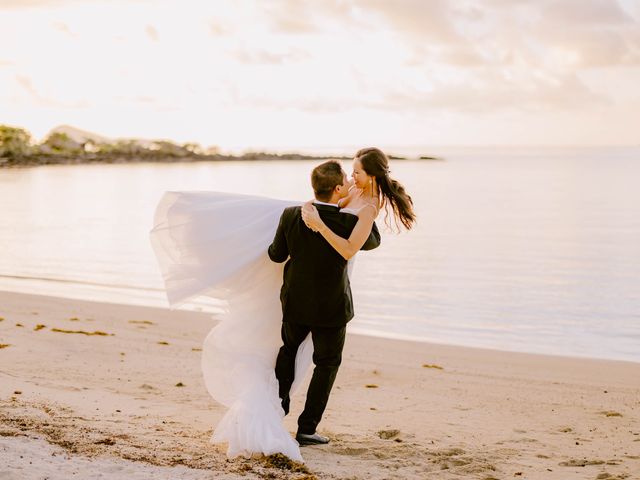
215, 245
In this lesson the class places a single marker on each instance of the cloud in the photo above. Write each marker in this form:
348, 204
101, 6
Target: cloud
586, 13
291, 24
217, 29
559, 36
145, 99
490, 93
486, 91
27, 85
463, 56
427, 27
303, 17
25, 4
585, 34
62, 27
22, 4
593, 34
312, 104
19, 4
151, 32
476, 56
261, 56
421, 20
522, 58
597, 48
292, 17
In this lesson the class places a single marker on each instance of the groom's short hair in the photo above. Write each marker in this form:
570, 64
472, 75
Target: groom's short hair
325, 178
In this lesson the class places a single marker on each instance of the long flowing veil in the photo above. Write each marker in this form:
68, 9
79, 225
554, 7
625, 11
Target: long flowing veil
215, 245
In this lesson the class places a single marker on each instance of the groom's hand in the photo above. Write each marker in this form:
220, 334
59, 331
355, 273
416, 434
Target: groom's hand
279, 250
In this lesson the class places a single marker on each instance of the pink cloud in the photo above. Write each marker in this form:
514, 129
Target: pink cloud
151, 32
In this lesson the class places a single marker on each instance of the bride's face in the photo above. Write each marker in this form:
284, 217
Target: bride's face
360, 177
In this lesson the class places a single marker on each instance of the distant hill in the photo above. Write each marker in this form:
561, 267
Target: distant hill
79, 136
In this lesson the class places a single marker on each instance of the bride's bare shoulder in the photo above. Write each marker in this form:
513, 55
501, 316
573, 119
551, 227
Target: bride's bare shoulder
369, 210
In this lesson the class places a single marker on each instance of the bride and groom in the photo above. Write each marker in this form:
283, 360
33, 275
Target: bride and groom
277, 317
316, 295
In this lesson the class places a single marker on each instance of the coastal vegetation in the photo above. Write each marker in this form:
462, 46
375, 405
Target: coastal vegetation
66, 145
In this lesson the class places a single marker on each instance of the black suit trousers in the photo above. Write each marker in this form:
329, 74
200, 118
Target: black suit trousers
327, 356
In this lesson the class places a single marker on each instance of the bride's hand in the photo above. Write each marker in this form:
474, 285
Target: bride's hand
311, 217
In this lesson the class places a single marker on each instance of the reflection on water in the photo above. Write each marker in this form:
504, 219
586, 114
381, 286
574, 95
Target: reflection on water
522, 250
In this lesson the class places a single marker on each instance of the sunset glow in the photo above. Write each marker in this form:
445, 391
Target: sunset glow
304, 75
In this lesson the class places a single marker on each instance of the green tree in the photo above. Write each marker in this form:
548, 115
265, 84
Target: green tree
61, 143
170, 149
128, 148
14, 142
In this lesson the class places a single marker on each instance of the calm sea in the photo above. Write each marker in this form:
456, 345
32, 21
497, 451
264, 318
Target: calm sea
534, 250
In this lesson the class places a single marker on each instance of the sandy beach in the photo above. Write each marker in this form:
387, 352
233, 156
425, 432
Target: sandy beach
97, 390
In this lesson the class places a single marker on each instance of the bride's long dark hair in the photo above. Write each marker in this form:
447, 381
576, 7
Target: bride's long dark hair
391, 192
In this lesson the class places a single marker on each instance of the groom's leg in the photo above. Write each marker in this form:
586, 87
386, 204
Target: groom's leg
327, 356
292, 336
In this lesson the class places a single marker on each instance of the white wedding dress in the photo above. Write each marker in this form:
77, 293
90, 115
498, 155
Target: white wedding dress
215, 244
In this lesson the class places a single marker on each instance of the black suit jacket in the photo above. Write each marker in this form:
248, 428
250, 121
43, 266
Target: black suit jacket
316, 289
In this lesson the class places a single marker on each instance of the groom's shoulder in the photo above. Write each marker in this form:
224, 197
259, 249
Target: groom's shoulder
289, 213
292, 210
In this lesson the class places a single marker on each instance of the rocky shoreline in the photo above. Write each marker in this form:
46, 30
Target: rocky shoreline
80, 159
69, 146
44, 159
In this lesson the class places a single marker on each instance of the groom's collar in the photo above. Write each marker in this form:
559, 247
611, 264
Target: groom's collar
318, 202
326, 206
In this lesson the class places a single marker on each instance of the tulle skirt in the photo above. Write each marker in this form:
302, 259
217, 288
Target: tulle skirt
215, 244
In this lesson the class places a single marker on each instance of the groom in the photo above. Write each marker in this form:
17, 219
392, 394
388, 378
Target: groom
315, 295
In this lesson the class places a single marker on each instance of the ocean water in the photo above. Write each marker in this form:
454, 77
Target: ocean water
533, 250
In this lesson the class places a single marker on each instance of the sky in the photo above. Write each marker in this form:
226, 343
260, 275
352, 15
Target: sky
325, 74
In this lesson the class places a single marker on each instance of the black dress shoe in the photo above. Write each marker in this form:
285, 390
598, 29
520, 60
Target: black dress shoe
313, 439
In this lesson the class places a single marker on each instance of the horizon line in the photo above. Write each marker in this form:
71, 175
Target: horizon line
326, 148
